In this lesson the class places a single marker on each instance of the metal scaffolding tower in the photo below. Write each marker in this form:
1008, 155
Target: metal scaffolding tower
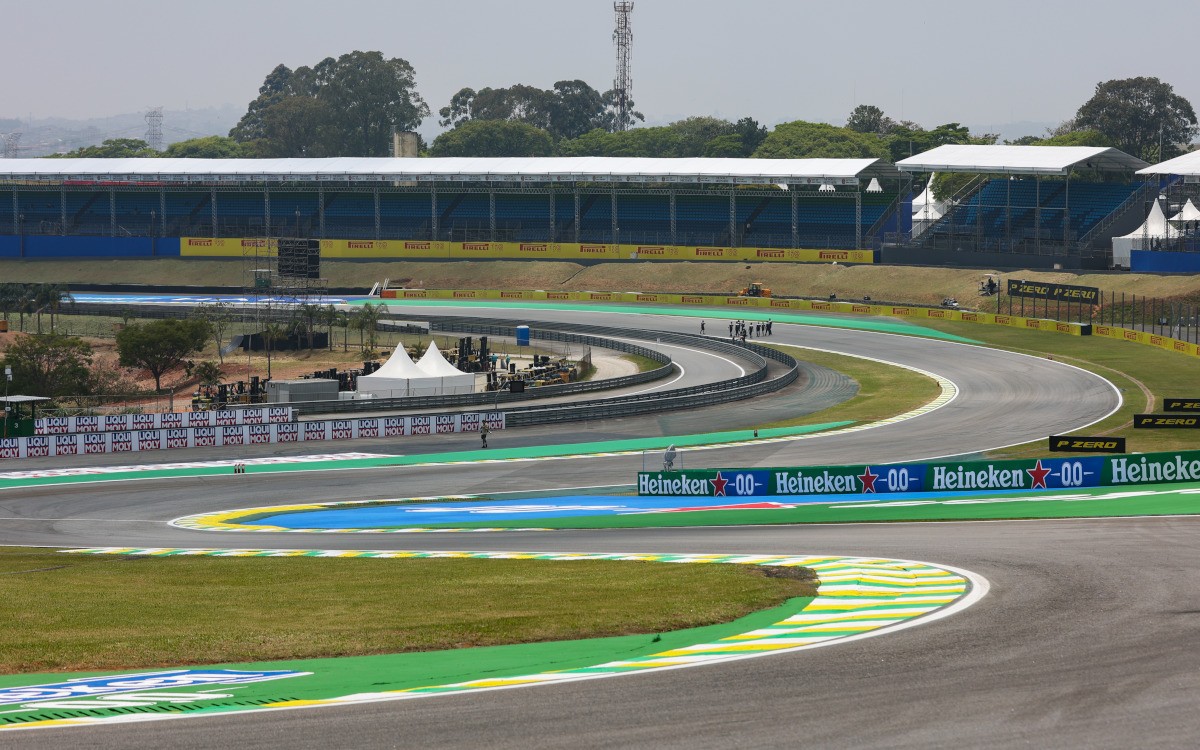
623, 84
154, 134
12, 145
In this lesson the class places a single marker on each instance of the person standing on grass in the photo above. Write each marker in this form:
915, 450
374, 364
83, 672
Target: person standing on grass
483, 433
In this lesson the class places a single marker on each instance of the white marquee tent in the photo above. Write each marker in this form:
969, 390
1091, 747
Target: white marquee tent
1146, 237
400, 377
927, 210
1189, 215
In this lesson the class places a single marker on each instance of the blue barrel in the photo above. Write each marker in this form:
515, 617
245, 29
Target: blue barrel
522, 335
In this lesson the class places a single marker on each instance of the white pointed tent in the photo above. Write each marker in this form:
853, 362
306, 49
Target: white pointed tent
400, 377
927, 210
1146, 237
1188, 216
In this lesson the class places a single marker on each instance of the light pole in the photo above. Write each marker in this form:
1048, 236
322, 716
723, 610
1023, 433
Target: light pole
7, 406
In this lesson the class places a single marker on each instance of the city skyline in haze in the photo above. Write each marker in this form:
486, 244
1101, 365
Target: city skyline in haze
996, 69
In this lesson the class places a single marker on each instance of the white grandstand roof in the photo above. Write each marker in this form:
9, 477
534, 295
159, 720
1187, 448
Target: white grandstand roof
1187, 165
386, 169
1050, 160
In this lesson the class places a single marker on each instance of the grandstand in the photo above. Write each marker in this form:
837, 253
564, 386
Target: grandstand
1022, 206
1030, 206
793, 203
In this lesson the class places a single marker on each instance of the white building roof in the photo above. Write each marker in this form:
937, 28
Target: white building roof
1049, 160
455, 169
1187, 165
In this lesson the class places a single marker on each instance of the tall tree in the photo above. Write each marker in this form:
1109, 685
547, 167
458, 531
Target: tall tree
298, 126
275, 88
493, 138
1139, 114
567, 110
112, 148
808, 140
867, 118
206, 147
695, 133
50, 365
161, 345
370, 96
218, 316
662, 141
576, 109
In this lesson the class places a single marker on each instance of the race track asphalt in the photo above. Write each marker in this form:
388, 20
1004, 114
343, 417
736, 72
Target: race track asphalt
1083, 641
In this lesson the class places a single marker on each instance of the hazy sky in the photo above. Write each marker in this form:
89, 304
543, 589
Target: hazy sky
983, 64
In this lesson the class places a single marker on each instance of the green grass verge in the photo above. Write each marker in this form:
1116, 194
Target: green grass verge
1143, 374
99, 613
883, 390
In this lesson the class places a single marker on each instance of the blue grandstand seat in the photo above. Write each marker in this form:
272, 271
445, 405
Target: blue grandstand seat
1022, 209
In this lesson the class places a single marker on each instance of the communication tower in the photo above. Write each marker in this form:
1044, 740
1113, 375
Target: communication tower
154, 134
623, 84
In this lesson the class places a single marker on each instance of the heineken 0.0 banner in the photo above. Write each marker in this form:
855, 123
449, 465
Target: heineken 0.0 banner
1022, 474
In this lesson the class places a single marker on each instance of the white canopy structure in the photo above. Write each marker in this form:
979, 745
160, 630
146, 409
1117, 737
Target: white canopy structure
1031, 160
1187, 165
927, 210
452, 169
1152, 232
400, 377
1189, 215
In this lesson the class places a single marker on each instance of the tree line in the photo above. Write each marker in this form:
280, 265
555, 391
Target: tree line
350, 106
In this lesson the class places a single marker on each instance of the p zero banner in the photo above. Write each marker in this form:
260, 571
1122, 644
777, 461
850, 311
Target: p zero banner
1181, 404
137, 440
401, 249
118, 422
1166, 421
1024, 474
1088, 295
1081, 444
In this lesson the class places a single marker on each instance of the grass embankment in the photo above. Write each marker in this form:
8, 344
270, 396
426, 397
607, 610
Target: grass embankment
1143, 374
883, 390
68, 613
887, 283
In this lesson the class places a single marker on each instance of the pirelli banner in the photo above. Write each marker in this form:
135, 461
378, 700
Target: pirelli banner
132, 441
1024, 474
208, 247
1088, 295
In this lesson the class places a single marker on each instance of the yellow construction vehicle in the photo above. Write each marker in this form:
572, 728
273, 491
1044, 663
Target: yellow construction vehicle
756, 289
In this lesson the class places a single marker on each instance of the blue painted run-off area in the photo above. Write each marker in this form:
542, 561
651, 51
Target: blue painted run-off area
402, 514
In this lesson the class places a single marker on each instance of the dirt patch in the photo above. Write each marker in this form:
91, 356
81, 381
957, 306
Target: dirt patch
882, 283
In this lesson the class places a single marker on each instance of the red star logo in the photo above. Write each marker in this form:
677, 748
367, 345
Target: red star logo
719, 484
1039, 475
868, 480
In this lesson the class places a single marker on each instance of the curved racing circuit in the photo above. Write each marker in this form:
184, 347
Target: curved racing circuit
1022, 665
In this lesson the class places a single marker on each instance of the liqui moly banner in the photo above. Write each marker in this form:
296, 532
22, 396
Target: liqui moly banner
211, 436
126, 422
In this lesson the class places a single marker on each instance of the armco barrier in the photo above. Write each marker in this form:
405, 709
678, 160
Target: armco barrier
500, 328
162, 421
126, 441
942, 476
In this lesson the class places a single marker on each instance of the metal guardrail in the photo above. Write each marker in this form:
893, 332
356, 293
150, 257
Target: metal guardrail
755, 383
750, 385
495, 398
